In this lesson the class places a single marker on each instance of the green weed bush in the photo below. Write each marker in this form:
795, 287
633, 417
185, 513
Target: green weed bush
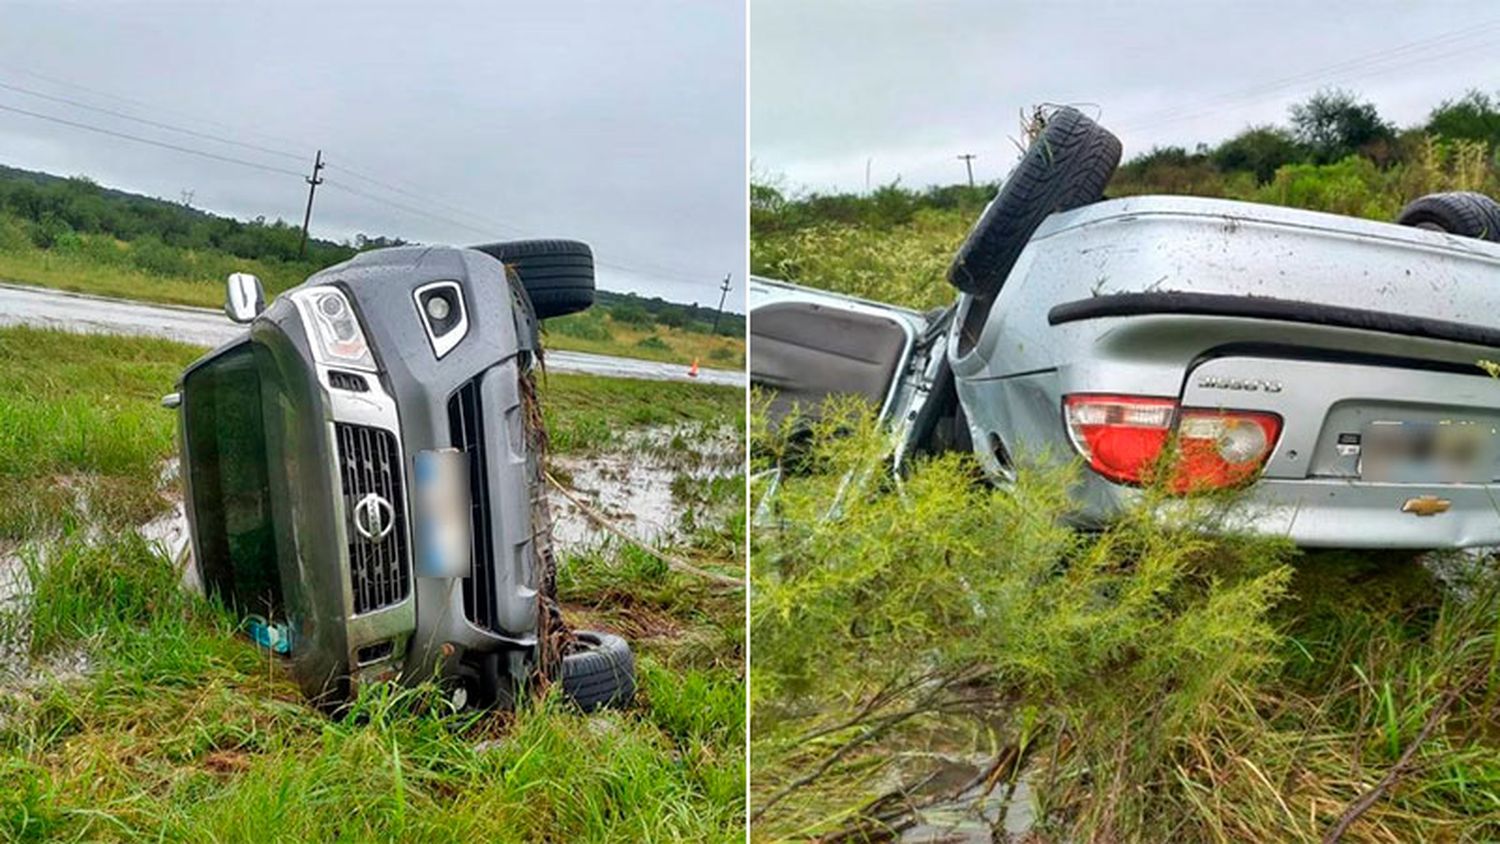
862, 584
1164, 678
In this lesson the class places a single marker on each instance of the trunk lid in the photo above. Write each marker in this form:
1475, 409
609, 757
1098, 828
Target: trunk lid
1361, 419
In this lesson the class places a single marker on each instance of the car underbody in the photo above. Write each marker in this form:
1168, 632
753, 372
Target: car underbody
1330, 364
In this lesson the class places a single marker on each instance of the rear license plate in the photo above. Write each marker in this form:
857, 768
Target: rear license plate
1427, 452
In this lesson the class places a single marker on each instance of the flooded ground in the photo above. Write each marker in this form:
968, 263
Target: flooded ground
947, 782
978, 816
649, 484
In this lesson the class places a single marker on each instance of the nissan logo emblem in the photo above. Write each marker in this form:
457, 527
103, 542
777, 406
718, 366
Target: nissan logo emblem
374, 518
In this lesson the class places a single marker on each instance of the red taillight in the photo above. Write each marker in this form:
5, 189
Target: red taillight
1120, 436
1123, 437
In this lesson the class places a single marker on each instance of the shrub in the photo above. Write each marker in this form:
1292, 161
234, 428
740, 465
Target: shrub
157, 258
585, 325
632, 314
13, 235
872, 599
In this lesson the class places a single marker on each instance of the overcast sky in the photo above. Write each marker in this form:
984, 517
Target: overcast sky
908, 86
617, 123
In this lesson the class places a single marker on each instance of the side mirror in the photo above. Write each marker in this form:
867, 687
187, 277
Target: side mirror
244, 298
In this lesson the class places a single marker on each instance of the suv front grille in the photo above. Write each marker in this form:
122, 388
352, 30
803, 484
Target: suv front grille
370, 464
466, 427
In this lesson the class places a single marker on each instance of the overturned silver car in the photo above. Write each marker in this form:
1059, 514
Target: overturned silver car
362, 473
1331, 364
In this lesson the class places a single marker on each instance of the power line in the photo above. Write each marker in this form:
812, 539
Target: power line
430, 201
1372, 61
403, 207
488, 229
108, 95
1355, 63
154, 123
489, 224
150, 141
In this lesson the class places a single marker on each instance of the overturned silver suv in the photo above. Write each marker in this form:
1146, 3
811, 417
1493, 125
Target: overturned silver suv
362, 474
1332, 365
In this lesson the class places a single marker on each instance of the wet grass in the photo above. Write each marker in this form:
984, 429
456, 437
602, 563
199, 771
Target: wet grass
586, 412
81, 421
180, 730
82, 427
96, 268
599, 333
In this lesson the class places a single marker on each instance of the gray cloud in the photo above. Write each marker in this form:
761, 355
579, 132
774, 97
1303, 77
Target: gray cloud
617, 123
907, 86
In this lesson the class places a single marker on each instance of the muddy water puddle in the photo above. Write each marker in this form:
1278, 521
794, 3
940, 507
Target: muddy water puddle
650, 485
980, 815
949, 786
643, 485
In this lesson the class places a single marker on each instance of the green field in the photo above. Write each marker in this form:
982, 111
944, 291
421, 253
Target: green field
72, 234
175, 728
105, 269
1163, 680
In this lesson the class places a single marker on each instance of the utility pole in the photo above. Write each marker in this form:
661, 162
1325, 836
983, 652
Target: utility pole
312, 186
187, 198
723, 291
968, 160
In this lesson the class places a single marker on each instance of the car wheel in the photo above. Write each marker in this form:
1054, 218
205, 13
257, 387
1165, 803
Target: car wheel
600, 671
1464, 213
558, 275
1066, 167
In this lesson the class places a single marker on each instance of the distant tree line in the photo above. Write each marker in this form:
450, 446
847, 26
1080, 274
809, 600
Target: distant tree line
1331, 132
53, 206
75, 215
645, 311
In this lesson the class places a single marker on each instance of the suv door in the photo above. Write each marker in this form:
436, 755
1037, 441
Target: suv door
807, 345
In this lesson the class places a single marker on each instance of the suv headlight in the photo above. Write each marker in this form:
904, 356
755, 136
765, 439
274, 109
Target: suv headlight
337, 338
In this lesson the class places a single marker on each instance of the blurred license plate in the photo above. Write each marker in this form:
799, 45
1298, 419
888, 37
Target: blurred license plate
442, 510
1427, 452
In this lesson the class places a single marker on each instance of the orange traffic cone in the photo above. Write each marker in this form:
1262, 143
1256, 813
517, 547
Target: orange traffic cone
693, 370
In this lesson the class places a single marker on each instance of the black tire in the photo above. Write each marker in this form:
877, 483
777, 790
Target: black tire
1066, 167
600, 671
1463, 213
558, 274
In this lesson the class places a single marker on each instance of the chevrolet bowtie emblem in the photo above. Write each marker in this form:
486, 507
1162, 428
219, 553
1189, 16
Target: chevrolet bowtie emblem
1427, 505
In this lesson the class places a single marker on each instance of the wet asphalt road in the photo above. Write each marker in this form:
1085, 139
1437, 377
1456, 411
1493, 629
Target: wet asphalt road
44, 308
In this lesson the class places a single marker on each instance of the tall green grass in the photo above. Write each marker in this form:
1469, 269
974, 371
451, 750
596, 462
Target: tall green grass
82, 432
138, 713
181, 731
